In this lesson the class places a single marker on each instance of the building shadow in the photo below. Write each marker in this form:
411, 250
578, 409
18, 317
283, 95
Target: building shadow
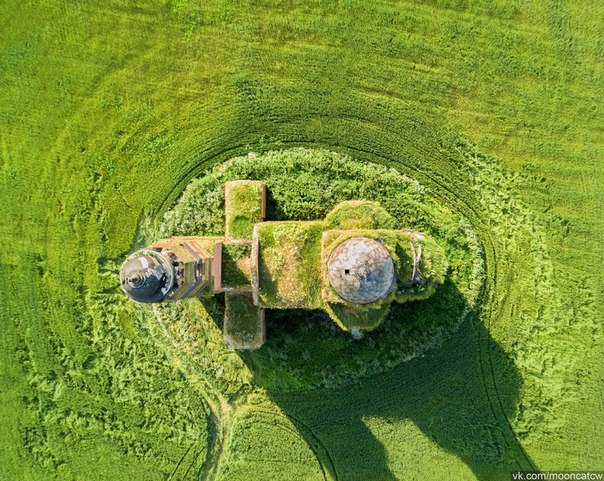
460, 395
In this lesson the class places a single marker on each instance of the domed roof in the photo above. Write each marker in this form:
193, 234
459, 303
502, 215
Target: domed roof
361, 270
146, 276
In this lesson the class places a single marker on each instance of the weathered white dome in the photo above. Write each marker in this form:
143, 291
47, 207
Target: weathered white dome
361, 270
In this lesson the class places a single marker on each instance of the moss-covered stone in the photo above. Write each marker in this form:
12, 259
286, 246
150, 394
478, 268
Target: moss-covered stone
244, 206
366, 317
289, 264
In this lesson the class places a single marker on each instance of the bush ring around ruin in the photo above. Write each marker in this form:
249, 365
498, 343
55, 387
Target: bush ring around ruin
304, 349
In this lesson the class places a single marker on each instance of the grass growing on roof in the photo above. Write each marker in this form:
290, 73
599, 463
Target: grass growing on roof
289, 264
349, 316
243, 201
359, 214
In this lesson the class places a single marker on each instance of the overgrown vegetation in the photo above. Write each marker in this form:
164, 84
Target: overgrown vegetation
289, 266
357, 214
236, 266
242, 328
243, 208
109, 109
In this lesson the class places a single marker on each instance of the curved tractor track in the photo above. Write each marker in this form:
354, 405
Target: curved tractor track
486, 310
110, 109
223, 414
220, 416
313, 441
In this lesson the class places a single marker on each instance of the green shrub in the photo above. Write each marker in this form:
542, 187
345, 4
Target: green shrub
243, 327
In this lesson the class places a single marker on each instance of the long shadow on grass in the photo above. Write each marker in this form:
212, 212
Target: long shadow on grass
461, 395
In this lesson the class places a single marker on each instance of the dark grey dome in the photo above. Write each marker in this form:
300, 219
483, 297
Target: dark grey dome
146, 276
361, 270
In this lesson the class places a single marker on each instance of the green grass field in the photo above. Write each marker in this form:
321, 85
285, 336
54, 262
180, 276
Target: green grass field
108, 110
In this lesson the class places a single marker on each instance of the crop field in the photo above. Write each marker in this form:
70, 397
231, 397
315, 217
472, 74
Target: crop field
479, 122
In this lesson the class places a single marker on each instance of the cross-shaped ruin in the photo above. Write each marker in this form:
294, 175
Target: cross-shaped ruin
352, 265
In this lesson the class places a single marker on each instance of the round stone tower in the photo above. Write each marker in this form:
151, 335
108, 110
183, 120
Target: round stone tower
147, 276
173, 269
361, 270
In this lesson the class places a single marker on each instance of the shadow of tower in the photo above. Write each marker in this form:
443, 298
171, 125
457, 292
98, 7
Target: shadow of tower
461, 396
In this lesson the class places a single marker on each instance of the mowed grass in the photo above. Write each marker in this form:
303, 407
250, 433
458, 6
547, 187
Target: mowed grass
108, 110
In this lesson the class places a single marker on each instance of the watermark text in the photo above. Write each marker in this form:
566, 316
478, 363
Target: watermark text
558, 475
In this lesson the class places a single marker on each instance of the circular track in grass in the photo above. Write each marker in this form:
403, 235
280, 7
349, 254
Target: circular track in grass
305, 349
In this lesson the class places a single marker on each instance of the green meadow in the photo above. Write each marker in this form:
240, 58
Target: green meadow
480, 122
